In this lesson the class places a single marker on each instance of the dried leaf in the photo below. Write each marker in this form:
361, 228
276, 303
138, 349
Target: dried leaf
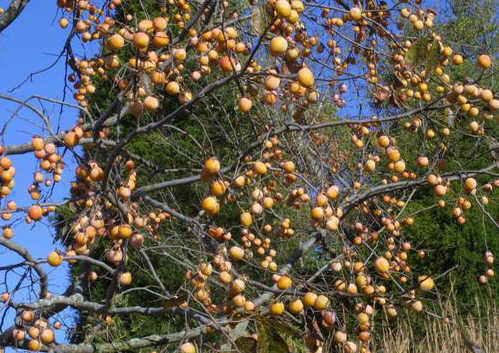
172, 302
317, 330
239, 330
451, 117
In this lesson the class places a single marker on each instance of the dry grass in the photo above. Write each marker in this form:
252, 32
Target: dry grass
460, 334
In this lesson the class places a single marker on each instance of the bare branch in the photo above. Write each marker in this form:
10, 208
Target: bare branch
23, 252
14, 10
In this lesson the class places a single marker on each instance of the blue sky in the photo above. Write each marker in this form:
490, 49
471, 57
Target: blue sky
29, 44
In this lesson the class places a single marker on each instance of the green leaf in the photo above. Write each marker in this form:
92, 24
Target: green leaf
246, 344
239, 330
282, 327
260, 19
277, 344
263, 340
433, 56
269, 340
417, 52
257, 20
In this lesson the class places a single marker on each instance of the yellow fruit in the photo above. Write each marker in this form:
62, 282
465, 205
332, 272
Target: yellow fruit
145, 25
141, 40
322, 200
115, 42
405, 12
240, 181
218, 188
272, 82
160, 40
70, 139
47, 336
245, 219
7, 232
54, 259
309, 298
227, 64
296, 307
212, 166
457, 59
317, 213
284, 283
288, 166
297, 5
278, 46
340, 337
237, 286
63, 22
35, 212
417, 306
159, 23
225, 276
188, 347
470, 184
277, 308
34, 345
305, 77
211, 205
484, 61
126, 279
381, 264
151, 103
350, 347
172, 88
245, 104
423, 161
179, 54
426, 283
332, 192
125, 231
321, 302
440, 190
249, 305
355, 13
393, 153
447, 51
206, 269
486, 95
260, 167
332, 223
283, 8
292, 54
268, 202
399, 166
370, 165
236, 253
384, 141
28, 315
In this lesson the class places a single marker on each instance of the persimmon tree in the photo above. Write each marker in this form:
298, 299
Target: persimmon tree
245, 173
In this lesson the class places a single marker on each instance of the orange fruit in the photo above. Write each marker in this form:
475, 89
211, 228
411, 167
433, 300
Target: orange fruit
115, 42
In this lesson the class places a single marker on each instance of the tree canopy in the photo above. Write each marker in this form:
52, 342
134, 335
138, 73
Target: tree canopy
262, 176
